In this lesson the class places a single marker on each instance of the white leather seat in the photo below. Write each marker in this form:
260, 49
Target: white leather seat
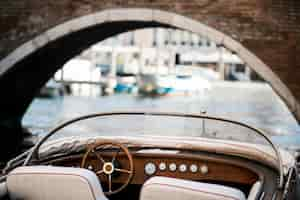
164, 188
53, 183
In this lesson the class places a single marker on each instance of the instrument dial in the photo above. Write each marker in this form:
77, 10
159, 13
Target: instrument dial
183, 168
204, 169
172, 167
162, 166
150, 168
193, 168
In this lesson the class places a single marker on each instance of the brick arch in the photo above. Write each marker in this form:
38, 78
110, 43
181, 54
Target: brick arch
157, 16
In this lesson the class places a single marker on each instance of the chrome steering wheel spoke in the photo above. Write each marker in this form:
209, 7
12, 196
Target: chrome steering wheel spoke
108, 168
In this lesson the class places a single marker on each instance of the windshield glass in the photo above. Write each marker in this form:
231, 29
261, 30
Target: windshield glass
159, 125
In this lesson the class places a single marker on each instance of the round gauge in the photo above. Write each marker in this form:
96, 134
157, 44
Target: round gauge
204, 169
172, 167
150, 168
193, 168
162, 166
183, 168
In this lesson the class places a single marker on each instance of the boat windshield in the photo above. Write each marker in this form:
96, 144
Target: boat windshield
159, 125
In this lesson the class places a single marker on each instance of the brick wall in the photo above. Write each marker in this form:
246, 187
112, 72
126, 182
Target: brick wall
241, 19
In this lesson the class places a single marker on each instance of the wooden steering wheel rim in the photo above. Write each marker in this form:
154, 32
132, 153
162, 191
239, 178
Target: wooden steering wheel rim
93, 147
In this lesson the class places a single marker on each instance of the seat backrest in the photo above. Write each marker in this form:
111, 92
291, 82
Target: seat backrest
162, 188
53, 183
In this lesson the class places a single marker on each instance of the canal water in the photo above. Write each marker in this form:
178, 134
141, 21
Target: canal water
253, 103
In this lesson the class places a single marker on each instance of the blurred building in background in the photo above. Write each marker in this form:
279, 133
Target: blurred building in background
116, 63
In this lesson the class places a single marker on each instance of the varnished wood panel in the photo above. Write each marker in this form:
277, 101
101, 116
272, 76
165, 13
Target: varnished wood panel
218, 170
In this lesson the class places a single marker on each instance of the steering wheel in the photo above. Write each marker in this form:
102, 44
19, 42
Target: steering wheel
109, 168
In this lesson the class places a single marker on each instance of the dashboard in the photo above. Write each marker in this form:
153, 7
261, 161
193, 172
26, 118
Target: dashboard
171, 163
181, 164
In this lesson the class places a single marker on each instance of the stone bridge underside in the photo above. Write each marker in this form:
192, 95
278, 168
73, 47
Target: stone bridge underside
269, 29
